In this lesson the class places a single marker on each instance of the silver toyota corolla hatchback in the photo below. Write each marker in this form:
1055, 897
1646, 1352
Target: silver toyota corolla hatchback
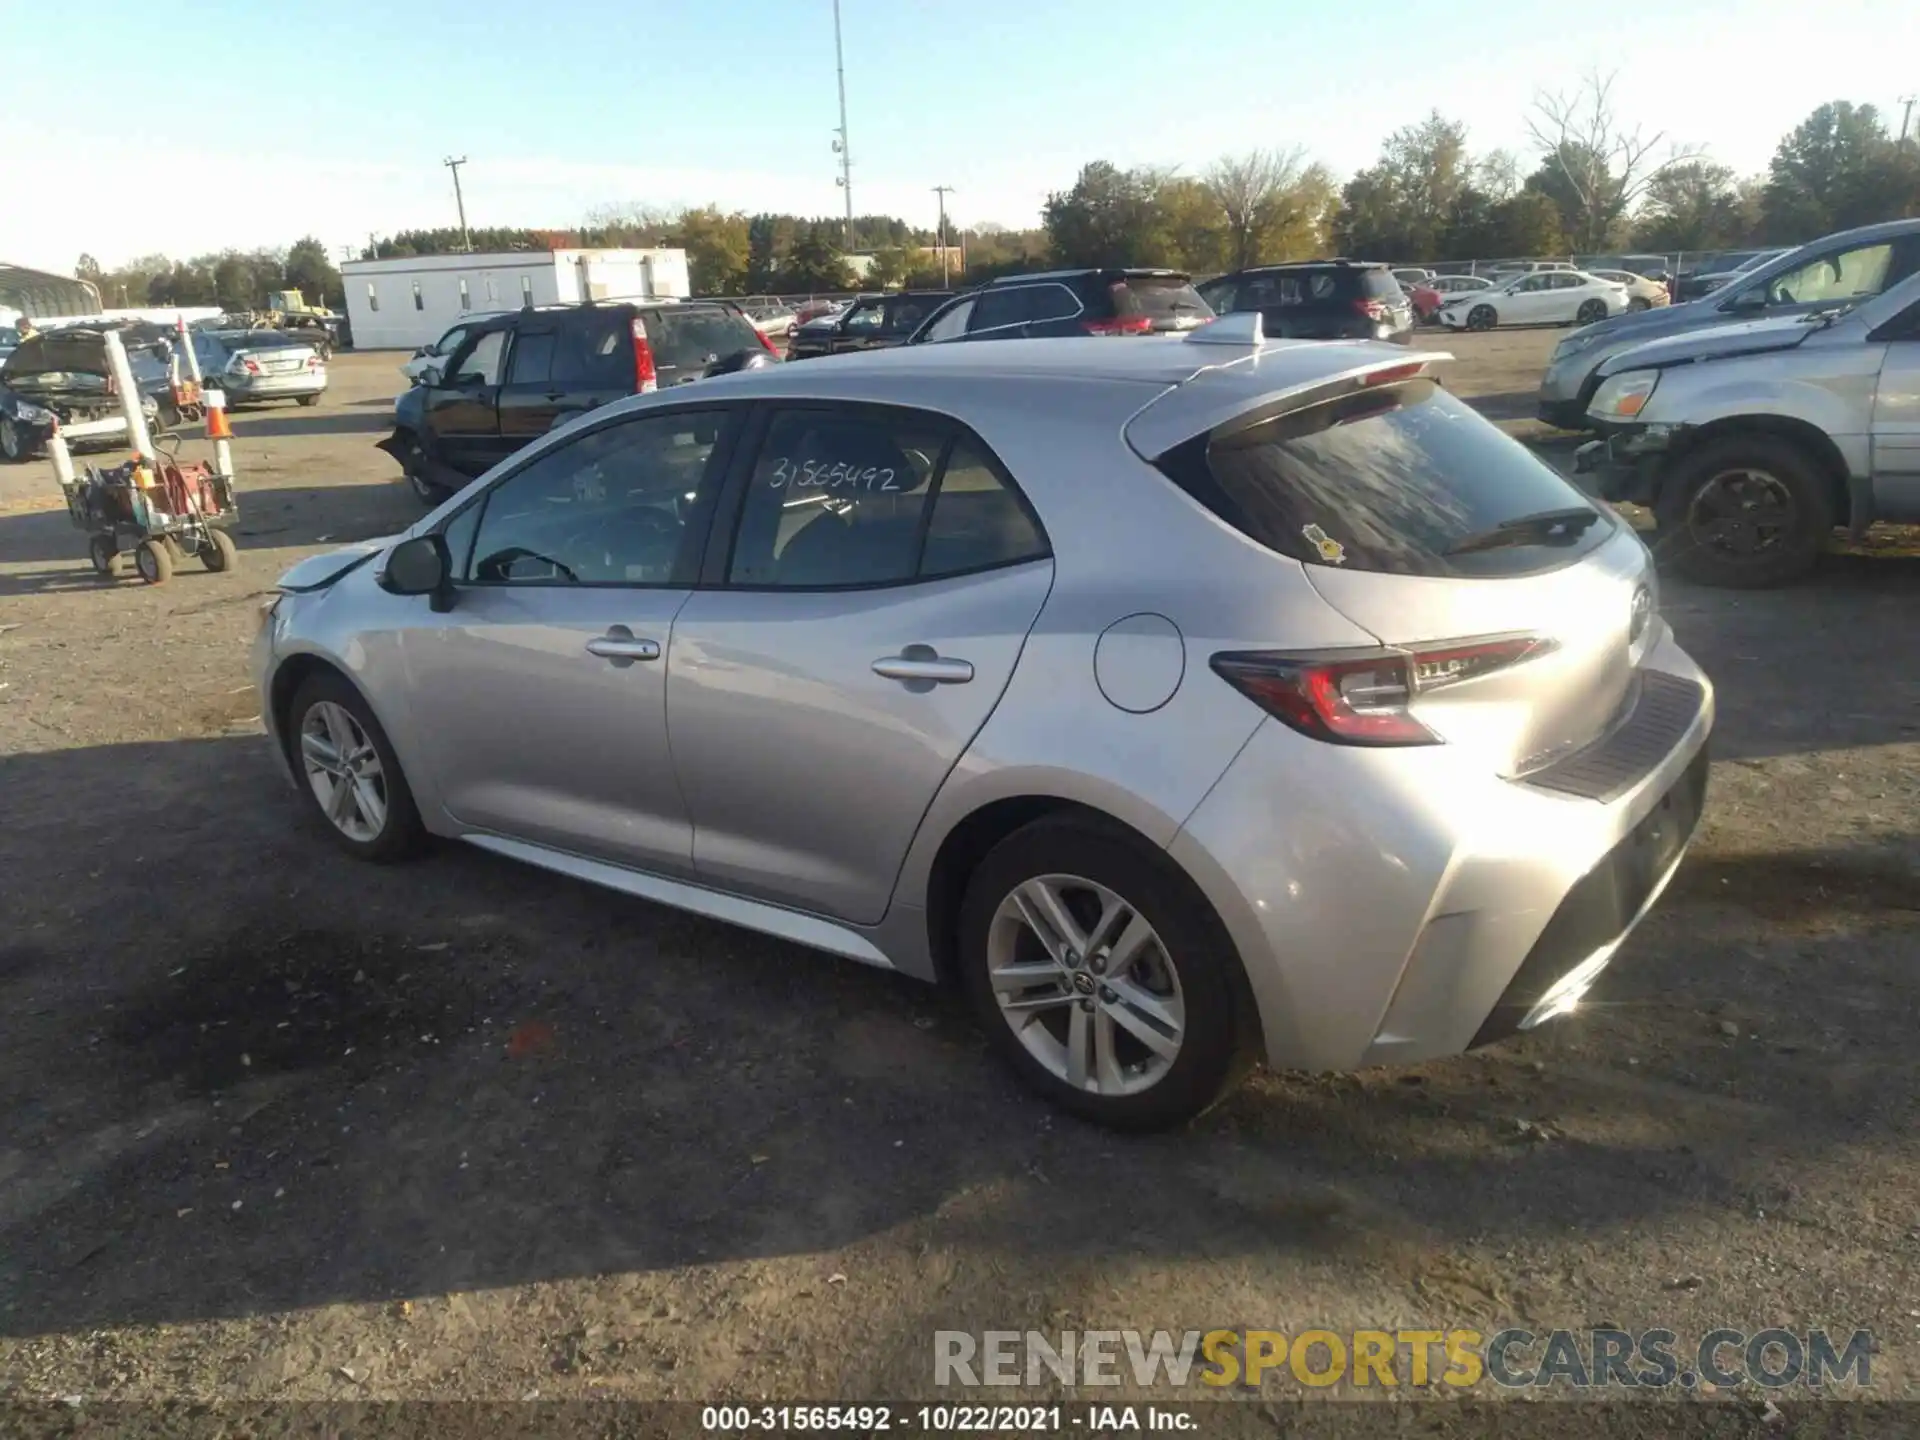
1186, 702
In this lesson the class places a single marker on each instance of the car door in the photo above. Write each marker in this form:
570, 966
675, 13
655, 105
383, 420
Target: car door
861, 328
1896, 420
865, 599
1526, 301
462, 409
529, 402
540, 693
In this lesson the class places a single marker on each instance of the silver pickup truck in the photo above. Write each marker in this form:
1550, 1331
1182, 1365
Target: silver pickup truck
1751, 442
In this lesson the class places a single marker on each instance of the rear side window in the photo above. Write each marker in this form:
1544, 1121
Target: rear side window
1402, 481
532, 359
1004, 306
1163, 297
1380, 285
595, 352
689, 337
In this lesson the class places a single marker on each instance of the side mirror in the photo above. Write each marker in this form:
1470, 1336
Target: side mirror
420, 566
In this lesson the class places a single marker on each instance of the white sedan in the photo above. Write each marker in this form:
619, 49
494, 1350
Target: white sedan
1544, 297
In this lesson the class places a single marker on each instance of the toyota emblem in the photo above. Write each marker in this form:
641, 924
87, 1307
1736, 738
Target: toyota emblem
1640, 612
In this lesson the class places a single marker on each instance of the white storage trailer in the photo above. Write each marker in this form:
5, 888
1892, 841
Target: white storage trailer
408, 301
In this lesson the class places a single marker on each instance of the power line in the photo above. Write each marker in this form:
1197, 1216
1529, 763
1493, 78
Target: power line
466, 239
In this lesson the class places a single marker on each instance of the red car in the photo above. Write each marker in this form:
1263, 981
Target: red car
1426, 301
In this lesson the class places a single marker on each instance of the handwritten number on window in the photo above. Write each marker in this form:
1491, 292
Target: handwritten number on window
818, 474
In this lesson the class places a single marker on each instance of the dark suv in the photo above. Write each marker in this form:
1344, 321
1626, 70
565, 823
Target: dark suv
520, 374
873, 322
1318, 300
1070, 302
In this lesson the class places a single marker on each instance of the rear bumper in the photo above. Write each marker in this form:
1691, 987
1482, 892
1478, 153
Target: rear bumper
275, 387
1402, 905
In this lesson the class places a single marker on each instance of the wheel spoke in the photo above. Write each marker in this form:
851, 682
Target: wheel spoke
1146, 1018
1039, 896
1033, 1004
366, 799
1128, 948
1079, 1038
339, 729
1106, 1061
339, 799
319, 752
1113, 912
1011, 978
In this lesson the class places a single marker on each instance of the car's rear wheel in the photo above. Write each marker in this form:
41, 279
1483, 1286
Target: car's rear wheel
14, 446
309, 399
1639, 303
1744, 512
1102, 977
352, 777
1482, 317
1591, 312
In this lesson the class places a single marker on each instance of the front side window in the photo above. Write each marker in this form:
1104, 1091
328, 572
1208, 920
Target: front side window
904, 315
1849, 275
608, 508
951, 325
846, 497
482, 360
866, 317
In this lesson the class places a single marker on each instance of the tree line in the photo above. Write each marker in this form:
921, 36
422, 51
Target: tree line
1591, 184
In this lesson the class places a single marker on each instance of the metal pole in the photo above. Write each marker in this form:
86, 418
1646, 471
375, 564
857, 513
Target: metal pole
1906, 115
186, 344
943, 191
846, 153
459, 200
129, 397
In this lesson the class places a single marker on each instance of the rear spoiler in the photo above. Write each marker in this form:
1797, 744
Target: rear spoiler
1250, 382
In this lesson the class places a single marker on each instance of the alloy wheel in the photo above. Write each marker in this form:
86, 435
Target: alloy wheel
343, 769
10, 445
1742, 512
1084, 982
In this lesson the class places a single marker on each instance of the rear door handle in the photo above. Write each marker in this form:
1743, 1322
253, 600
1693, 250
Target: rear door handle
622, 647
922, 663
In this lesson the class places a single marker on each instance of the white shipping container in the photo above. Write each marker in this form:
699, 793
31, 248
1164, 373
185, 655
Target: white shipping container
406, 302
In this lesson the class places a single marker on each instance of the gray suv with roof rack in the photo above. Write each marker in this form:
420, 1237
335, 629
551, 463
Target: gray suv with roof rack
1849, 266
1107, 300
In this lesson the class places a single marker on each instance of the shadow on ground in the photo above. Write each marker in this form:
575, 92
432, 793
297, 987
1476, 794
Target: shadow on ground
245, 1074
277, 423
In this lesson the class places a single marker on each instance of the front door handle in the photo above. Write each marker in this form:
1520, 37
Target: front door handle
622, 647
924, 664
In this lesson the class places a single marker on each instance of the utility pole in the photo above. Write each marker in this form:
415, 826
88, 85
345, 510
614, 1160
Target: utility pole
1905, 116
943, 191
466, 239
845, 179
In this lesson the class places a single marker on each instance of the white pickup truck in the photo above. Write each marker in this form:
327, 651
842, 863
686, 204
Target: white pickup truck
1751, 442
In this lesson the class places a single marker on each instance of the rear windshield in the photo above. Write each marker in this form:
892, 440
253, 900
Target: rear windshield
269, 340
695, 336
1164, 297
1404, 481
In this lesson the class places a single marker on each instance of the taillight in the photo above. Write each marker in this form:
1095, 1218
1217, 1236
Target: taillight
1363, 697
313, 362
1372, 309
251, 366
645, 378
1120, 325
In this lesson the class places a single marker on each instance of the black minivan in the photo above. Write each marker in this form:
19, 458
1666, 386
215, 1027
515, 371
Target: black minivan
518, 375
1318, 300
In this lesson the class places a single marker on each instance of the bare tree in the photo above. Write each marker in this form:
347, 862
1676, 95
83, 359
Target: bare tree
1498, 174
1603, 166
1259, 193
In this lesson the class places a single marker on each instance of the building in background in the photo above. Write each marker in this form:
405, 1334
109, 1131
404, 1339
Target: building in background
43, 295
408, 301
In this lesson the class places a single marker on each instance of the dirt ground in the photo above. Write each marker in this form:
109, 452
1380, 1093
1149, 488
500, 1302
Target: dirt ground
282, 1126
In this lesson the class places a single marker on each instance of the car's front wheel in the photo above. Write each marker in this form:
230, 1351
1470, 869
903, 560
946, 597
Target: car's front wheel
1102, 977
1744, 512
14, 444
1482, 317
352, 777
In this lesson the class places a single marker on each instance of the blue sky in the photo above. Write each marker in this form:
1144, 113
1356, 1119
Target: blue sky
566, 107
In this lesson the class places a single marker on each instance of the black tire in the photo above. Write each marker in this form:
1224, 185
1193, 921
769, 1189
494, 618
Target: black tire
219, 553
1215, 1051
101, 553
1591, 312
402, 835
154, 560
424, 490
1482, 317
1744, 512
1639, 303
309, 399
15, 445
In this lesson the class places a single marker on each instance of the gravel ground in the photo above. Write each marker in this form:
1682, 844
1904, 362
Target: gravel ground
284, 1127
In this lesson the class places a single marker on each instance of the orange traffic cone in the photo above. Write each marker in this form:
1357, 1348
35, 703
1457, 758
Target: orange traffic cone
217, 426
